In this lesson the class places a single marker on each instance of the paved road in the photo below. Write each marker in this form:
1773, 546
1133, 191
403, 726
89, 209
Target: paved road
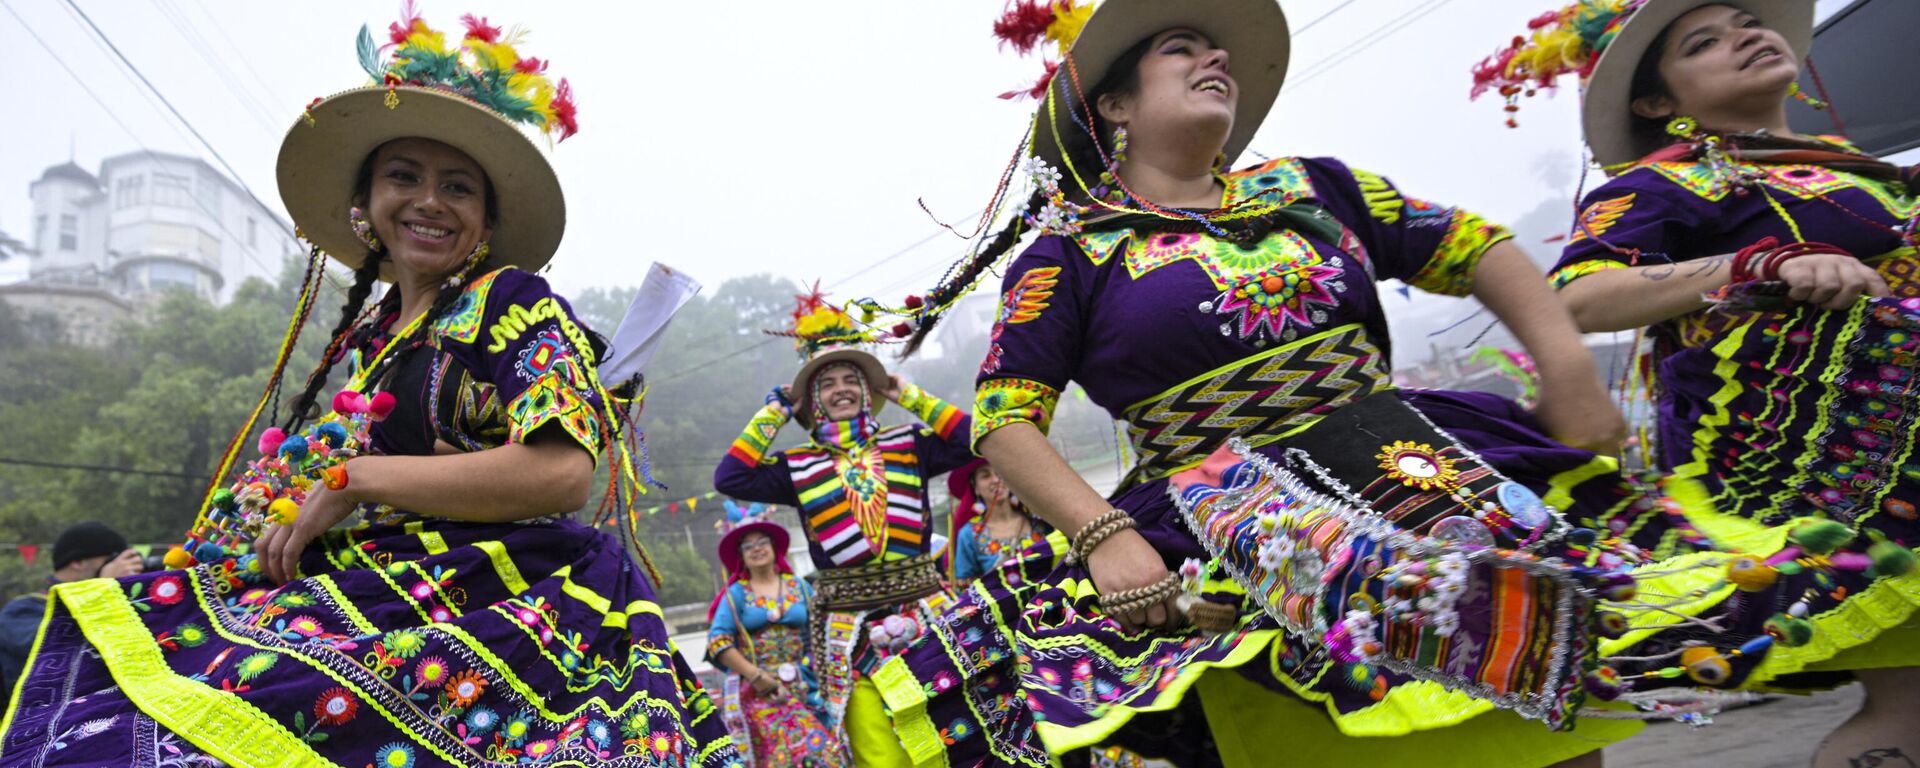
1781, 733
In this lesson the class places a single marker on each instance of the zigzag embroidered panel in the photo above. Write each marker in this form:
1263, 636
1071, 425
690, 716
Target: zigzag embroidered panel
1266, 394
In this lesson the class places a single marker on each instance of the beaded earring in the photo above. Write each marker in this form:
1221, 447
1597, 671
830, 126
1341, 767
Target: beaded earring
1109, 187
362, 228
1119, 146
474, 259
1684, 127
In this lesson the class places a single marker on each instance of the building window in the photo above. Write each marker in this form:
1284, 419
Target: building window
128, 191
40, 231
207, 188
69, 232
253, 233
172, 190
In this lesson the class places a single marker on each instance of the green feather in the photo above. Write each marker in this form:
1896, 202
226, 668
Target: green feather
369, 55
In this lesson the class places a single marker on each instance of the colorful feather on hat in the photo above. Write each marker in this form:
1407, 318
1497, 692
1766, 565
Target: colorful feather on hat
1026, 23
1566, 41
485, 67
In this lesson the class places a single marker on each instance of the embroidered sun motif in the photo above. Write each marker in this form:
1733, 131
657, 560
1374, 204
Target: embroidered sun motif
1418, 465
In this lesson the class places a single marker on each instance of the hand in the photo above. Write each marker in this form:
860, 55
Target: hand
279, 548
1582, 415
895, 386
1831, 280
782, 397
127, 564
1127, 561
762, 682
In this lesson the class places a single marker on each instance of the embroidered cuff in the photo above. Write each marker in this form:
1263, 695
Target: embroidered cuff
999, 402
936, 413
1450, 271
717, 645
1571, 272
751, 446
551, 400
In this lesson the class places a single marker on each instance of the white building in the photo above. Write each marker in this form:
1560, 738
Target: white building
148, 222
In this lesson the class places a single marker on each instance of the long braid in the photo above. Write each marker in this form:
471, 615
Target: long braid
364, 278
442, 302
963, 280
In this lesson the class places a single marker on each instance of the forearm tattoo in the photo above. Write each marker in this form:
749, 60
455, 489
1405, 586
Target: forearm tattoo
1882, 757
1686, 269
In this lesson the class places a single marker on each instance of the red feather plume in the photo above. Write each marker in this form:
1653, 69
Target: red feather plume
1038, 89
531, 65
564, 111
479, 29
1024, 24
398, 31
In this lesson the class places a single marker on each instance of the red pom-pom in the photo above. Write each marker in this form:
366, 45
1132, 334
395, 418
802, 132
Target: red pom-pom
270, 441
902, 331
381, 405
349, 402
1024, 24
914, 302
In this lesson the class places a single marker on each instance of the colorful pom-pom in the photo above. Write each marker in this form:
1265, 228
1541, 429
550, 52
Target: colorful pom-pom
349, 402
332, 434
208, 552
270, 441
178, 558
1705, 665
295, 446
283, 510
381, 405
223, 500
1789, 631
1891, 559
1821, 537
1750, 574
1612, 624
1604, 683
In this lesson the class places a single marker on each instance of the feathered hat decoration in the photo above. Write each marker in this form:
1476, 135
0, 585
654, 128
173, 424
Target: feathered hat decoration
819, 325
1566, 41
1027, 24
484, 67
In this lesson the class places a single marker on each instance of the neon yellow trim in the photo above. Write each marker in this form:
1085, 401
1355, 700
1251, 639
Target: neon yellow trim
1560, 487
1060, 739
1711, 423
13, 699
1887, 603
359, 621
609, 617
223, 724
907, 705
433, 542
503, 566
1242, 363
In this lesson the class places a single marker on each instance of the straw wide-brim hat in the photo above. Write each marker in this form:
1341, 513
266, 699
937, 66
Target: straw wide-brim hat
1253, 33
323, 152
1606, 109
870, 367
730, 544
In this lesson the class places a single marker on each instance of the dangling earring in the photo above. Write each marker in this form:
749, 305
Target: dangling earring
1119, 146
363, 229
1684, 127
1802, 97
474, 259
1220, 162
1109, 187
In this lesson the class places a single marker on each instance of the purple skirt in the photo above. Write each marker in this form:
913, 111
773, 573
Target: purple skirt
433, 643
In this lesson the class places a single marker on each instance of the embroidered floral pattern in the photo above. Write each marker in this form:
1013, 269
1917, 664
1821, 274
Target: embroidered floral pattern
999, 402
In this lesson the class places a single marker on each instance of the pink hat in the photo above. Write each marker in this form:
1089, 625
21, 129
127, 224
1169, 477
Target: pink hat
741, 521
960, 485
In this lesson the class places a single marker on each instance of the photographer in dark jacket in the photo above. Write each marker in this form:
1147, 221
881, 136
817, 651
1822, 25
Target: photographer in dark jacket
85, 551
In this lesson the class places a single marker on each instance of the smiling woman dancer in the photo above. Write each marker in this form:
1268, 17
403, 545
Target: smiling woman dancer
471, 623
1361, 549
1777, 274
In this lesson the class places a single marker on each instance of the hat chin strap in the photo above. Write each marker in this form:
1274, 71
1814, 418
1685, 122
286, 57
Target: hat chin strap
843, 435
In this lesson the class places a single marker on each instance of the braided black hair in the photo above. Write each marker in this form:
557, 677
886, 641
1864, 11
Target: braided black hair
1080, 147
305, 407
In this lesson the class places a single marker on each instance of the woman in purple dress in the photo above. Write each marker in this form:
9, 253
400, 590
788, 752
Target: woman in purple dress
1775, 273
1211, 309
467, 620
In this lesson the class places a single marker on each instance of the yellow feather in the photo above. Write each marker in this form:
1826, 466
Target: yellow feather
1068, 19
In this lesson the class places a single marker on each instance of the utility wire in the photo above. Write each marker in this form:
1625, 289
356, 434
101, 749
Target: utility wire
98, 468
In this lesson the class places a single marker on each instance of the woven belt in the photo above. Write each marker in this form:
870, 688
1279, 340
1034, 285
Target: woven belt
877, 584
1260, 397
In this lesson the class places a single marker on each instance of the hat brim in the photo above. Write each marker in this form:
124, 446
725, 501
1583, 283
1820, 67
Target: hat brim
1253, 33
319, 161
960, 487
1606, 107
730, 544
869, 366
